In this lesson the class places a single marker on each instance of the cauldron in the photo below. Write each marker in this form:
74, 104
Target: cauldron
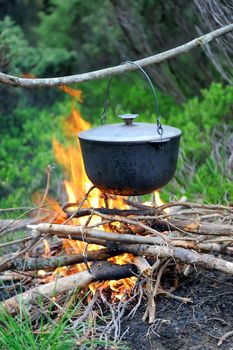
130, 158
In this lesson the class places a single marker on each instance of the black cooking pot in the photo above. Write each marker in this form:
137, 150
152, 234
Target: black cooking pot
130, 158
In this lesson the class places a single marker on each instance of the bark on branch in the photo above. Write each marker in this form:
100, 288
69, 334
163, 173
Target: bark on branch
205, 261
100, 271
72, 232
160, 224
30, 264
98, 74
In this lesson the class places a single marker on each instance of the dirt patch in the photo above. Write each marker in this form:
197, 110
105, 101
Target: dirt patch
196, 326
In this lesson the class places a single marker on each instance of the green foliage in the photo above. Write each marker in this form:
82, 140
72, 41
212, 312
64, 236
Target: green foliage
199, 116
80, 26
200, 175
128, 94
59, 18
210, 184
17, 56
26, 151
18, 333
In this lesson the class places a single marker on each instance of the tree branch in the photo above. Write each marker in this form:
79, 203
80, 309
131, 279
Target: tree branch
127, 67
30, 264
100, 271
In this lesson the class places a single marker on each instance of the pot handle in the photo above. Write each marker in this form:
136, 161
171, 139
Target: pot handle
104, 114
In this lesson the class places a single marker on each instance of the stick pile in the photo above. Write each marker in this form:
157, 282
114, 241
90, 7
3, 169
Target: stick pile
189, 235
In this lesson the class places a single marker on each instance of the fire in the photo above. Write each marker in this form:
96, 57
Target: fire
47, 252
158, 201
76, 187
46, 248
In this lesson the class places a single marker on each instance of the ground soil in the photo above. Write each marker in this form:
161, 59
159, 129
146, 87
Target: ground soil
196, 326
178, 326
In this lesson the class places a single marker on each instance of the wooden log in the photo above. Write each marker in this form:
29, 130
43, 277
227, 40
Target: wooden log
8, 262
101, 242
196, 205
205, 261
121, 212
203, 247
195, 227
102, 237
62, 285
30, 264
219, 247
203, 228
162, 225
99, 271
80, 230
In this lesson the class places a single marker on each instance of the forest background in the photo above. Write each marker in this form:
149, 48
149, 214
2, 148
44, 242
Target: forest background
46, 38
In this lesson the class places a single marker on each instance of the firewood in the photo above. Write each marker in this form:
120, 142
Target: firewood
195, 226
148, 213
92, 235
80, 238
61, 285
100, 271
121, 212
80, 230
202, 228
30, 264
205, 261
196, 205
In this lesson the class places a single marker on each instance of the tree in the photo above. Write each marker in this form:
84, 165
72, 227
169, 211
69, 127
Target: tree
215, 14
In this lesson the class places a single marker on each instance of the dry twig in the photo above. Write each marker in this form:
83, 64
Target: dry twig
224, 337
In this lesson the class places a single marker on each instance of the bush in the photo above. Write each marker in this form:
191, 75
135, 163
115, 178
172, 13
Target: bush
26, 151
200, 176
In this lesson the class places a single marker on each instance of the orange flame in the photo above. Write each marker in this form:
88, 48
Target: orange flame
73, 92
46, 248
47, 252
76, 187
157, 199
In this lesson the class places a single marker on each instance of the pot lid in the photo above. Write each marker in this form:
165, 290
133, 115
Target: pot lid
129, 132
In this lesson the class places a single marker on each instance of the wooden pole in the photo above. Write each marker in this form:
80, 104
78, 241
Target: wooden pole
107, 72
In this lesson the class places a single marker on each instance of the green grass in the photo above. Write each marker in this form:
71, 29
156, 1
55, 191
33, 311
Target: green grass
18, 333
46, 333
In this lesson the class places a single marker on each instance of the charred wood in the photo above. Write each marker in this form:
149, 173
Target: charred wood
99, 272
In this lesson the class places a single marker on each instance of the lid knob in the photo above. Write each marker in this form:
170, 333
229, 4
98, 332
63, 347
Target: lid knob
128, 118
